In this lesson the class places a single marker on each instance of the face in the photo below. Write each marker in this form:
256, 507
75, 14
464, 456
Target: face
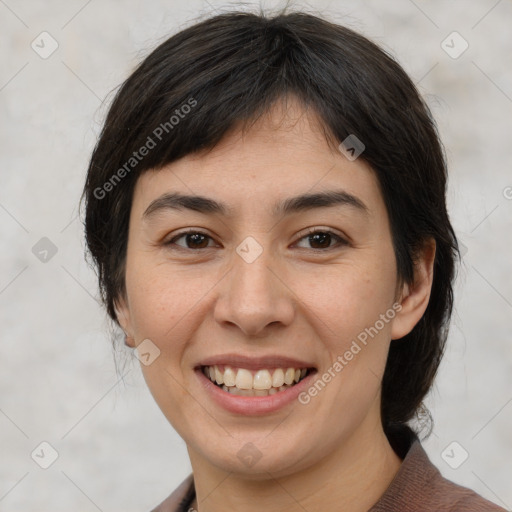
253, 287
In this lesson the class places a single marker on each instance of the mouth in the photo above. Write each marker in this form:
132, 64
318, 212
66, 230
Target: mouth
260, 382
254, 385
251, 386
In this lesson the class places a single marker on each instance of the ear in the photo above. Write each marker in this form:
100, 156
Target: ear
123, 317
414, 298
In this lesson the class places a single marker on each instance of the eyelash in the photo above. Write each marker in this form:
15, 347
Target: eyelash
312, 231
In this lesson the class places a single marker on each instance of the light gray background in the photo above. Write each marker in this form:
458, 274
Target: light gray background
58, 381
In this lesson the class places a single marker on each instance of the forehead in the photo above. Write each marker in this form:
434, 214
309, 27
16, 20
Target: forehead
284, 153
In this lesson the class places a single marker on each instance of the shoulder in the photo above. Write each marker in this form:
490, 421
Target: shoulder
419, 485
449, 496
446, 495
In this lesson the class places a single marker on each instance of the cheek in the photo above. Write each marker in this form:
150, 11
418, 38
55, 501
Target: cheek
154, 307
343, 310
159, 297
345, 298
168, 305
350, 310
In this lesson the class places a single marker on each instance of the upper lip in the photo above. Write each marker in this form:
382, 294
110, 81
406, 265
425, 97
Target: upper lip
255, 362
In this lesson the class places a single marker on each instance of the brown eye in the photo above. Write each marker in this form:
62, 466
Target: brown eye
193, 240
319, 240
322, 239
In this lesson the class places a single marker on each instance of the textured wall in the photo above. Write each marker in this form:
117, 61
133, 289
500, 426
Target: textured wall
58, 381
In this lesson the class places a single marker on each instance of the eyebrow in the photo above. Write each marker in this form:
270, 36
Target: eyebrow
208, 206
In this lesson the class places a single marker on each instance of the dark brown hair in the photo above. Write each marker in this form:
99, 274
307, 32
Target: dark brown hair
231, 69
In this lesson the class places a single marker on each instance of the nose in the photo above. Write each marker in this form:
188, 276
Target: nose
255, 295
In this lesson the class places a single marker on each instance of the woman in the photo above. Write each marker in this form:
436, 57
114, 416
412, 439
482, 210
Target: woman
266, 210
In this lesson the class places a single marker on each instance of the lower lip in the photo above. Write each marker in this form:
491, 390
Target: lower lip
253, 405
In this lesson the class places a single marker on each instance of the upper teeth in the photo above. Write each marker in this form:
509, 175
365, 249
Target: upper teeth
262, 379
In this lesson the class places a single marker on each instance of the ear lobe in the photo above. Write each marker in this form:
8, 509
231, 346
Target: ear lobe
129, 341
123, 318
416, 296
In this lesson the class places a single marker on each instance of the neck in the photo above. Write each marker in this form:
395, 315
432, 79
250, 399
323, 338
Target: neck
352, 477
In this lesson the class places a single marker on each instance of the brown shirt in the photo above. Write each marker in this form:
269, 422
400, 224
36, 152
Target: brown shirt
418, 486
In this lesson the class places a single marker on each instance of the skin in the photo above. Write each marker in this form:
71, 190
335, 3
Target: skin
296, 298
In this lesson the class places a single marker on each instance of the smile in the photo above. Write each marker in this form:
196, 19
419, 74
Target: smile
262, 382
254, 384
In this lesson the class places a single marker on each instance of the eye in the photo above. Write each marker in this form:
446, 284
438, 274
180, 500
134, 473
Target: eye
193, 240
323, 237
